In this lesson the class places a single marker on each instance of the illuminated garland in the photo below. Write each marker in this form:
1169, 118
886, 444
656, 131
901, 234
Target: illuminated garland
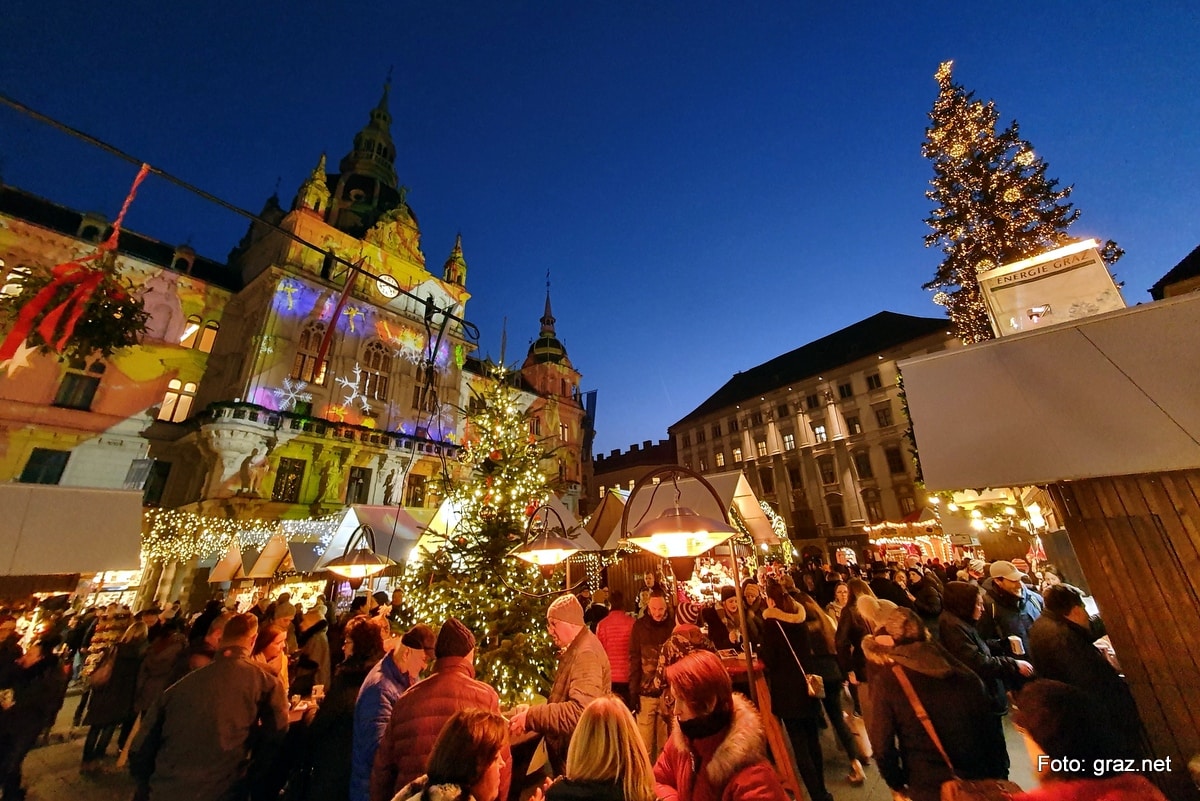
170, 535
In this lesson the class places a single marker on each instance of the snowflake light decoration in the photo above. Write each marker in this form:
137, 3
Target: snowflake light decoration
291, 393
353, 385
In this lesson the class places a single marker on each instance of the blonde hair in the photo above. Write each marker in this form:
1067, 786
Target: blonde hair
136, 631
606, 746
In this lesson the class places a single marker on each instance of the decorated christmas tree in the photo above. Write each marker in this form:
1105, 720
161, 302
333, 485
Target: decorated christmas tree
993, 202
471, 574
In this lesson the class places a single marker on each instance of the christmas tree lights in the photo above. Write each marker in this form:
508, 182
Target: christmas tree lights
993, 202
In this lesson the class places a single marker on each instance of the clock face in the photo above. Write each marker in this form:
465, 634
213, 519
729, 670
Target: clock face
388, 287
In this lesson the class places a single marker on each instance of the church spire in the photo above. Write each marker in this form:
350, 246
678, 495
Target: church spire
374, 154
314, 192
548, 317
455, 269
547, 347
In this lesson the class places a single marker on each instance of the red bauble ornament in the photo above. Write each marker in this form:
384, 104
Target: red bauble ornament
496, 455
530, 509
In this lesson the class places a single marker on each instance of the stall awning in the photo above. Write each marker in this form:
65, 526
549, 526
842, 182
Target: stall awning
52, 529
448, 517
396, 532
732, 488
1110, 395
604, 525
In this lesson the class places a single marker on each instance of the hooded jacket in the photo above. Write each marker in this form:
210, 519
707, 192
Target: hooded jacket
1005, 615
957, 704
372, 712
730, 765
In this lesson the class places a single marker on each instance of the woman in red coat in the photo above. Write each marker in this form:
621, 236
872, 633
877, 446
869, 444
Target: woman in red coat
718, 751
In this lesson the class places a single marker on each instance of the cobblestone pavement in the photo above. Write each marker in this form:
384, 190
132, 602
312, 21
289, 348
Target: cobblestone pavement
52, 771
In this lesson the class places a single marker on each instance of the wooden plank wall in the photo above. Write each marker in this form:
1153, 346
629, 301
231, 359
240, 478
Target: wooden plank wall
1138, 541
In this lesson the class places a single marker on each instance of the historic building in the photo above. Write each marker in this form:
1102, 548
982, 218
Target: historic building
820, 431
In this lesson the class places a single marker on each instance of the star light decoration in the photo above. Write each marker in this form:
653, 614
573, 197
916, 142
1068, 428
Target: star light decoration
20, 359
291, 393
353, 385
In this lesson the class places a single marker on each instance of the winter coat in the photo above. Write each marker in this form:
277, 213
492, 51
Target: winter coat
1063, 650
112, 702
730, 765
889, 590
583, 676
1005, 615
789, 691
1121, 787
850, 632
329, 739
722, 627
157, 671
683, 640
958, 706
417, 720
615, 632
38, 693
962, 640
383, 685
570, 790
313, 666
645, 643
415, 791
200, 736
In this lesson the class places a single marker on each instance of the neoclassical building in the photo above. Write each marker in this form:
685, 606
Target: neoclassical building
820, 430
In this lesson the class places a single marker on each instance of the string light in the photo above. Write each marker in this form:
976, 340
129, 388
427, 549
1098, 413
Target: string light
174, 535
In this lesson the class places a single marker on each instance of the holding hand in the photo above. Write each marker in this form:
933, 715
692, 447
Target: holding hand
1025, 668
516, 720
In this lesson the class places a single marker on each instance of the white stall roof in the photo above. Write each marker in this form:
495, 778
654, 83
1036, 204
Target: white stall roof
1110, 395
732, 488
51, 529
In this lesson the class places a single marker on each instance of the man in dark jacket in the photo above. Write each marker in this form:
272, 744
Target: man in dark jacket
33, 693
583, 675
645, 643
419, 714
963, 605
1010, 608
202, 736
1062, 647
883, 586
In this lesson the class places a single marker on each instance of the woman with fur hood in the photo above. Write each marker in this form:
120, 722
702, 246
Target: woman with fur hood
717, 751
955, 699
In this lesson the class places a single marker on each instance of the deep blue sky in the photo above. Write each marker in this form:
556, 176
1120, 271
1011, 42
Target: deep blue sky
710, 184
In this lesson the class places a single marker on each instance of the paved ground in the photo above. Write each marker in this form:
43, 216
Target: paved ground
52, 772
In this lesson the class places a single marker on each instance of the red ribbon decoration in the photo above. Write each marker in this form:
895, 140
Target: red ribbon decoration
86, 281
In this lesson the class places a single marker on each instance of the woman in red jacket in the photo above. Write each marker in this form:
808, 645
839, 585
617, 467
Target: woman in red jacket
718, 749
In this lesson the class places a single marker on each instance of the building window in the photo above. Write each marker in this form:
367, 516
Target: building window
837, 516
872, 506
812, 401
191, 331
156, 483
425, 399
377, 365
794, 477
687, 440
789, 442
601, 492
535, 426
819, 433
358, 487
874, 382
177, 402
853, 425
79, 385
304, 366
756, 418
699, 435
845, 390
414, 493
716, 429
288, 479
907, 504
564, 432
825, 467
760, 447
781, 411
895, 459
862, 464
766, 479
703, 464
45, 466
737, 455
719, 458
208, 336
632, 481
883, 416
733, 425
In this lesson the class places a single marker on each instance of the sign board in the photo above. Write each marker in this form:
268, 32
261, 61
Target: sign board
1065, 284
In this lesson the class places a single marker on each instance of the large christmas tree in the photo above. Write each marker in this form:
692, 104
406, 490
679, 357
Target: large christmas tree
993, 202
470, 574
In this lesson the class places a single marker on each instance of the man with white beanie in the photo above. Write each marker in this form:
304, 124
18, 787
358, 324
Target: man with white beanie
583, 675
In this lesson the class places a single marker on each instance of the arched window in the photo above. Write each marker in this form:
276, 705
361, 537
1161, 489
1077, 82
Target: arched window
376, 367
873, 506
177, 402
304, 367
191, 332
208, 335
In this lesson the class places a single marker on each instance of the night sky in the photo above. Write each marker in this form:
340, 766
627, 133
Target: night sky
709, 184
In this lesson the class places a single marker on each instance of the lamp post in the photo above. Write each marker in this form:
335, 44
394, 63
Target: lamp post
679, 533
552, 546
362, 562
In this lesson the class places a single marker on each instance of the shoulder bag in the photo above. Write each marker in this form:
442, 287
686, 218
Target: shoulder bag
814, 683
956, 789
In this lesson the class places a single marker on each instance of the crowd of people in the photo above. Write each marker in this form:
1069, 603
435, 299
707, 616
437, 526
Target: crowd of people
281, 701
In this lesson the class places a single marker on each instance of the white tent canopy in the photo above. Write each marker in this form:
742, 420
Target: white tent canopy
449, 515
49, 530
732, 488
396, 531
604, 524
1110, 395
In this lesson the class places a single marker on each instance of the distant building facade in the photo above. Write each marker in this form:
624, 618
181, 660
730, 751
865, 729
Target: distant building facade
1181, 279
622, 469
820, 431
